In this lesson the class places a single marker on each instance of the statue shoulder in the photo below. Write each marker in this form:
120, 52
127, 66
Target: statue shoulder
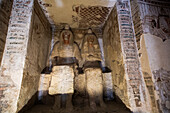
56, 44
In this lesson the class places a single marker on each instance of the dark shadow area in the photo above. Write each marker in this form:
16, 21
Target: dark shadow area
80, 105
106, 70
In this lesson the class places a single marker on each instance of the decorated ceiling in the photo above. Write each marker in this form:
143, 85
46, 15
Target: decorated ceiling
77, 13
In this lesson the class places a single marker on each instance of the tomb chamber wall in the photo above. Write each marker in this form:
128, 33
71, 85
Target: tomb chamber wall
113, 55
37, 55
5, 11
152, 28
25, 55
121, 55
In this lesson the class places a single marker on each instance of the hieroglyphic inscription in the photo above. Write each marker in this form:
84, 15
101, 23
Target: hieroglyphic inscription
137, 21
18, 27
14, 54
130, 50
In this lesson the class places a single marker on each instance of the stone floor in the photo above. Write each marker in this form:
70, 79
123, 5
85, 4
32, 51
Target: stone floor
81, 106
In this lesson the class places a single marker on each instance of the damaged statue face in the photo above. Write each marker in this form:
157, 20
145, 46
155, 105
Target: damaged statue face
66, 37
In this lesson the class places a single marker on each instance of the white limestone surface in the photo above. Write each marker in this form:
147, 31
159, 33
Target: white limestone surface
44, 82
94, 81
62, 80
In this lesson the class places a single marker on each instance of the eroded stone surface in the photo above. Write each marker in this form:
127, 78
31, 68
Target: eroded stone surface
134, 89
62, 80
158, 59
94, 86
5, 11
90, 50
135, 81
162, 84
20, 64
113, 56
44, 82
37, 54
108, 86
13, 59
151, 17
65, 51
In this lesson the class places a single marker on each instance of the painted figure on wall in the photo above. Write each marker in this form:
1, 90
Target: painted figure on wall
158, 24
91, 56
65, 57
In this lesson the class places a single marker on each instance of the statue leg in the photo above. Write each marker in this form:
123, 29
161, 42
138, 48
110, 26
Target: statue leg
100, 94
90, 87
57, 104
69, 104
92, 101
100, 98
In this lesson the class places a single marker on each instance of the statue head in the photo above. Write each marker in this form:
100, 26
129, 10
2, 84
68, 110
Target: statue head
67, 27
89, 31
66, 36
90, 40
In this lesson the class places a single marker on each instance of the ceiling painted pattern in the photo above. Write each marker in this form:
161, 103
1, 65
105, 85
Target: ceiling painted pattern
77, 13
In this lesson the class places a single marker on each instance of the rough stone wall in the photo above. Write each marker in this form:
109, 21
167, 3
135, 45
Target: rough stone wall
62, 80
156, 64
14, 55
108, 86
135, 90
5, 11
147, 75
137, 93
113, 55
21, 64
153, 27
37, 54
136, 15
151, 17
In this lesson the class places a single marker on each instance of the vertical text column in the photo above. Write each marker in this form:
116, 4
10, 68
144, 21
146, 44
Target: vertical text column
135, 82
14, 55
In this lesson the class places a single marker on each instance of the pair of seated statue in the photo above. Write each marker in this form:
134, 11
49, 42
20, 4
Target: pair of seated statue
66, 58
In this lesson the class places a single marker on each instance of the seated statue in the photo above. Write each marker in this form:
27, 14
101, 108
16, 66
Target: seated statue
65, 51
65, 56
91, 56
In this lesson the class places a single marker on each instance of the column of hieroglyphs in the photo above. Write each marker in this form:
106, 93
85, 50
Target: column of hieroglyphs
14, 55
135, 83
